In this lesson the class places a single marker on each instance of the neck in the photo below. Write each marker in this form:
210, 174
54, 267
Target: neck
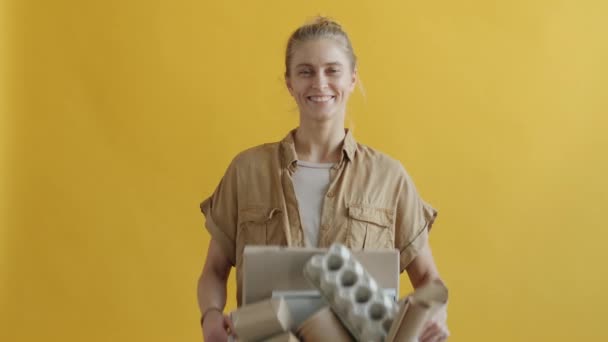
320, 142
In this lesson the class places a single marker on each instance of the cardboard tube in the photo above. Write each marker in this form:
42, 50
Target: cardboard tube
261, 320
416, 310
284, 337
413, 322
323, 326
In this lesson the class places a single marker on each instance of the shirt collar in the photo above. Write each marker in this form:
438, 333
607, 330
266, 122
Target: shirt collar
288, 148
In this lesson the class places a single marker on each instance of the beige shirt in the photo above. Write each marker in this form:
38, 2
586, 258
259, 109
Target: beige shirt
371, 203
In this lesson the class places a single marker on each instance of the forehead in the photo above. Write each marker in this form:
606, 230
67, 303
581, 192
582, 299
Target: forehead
319, 52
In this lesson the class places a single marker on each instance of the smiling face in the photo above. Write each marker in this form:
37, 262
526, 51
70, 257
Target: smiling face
320, 78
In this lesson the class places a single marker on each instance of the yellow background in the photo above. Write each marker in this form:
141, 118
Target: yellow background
119, 117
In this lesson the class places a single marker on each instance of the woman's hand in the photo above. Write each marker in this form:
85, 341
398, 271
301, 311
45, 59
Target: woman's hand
421, 270
216, 327
436, 328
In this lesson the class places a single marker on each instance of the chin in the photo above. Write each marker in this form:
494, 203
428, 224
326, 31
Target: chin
321, 116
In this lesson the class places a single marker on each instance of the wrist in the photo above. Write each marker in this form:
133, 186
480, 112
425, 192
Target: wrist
210, 310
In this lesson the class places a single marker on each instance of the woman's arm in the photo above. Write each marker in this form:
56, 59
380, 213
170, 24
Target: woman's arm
212, 293
420, 271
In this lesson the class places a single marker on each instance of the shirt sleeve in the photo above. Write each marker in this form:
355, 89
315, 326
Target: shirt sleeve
221, 213
413, 221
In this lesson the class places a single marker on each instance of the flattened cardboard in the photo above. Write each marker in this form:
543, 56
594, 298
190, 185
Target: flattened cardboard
275, 268
261, 320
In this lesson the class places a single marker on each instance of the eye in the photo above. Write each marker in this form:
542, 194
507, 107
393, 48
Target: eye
333, 71
305, 72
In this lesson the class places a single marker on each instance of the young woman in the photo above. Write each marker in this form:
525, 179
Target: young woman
315, 187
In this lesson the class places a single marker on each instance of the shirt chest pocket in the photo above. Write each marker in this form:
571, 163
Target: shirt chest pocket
258, 226
370, 227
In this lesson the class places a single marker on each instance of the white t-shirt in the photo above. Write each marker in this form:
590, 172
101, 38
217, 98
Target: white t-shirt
311, 181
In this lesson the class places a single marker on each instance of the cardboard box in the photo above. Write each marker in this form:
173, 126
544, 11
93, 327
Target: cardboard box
261, 320
280, 269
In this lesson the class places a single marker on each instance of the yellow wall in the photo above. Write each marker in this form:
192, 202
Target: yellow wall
123, 115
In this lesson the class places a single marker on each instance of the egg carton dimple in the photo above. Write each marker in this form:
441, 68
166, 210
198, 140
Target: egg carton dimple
365, 310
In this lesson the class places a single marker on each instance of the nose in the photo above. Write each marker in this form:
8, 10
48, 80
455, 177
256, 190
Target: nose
320, 81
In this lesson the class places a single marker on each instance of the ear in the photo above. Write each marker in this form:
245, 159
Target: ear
353, 80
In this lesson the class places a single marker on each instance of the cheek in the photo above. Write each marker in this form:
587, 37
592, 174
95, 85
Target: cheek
345, 87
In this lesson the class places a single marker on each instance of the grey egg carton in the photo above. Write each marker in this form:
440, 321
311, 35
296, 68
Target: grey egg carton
364, 309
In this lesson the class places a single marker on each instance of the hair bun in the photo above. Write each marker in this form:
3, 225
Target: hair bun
325, 21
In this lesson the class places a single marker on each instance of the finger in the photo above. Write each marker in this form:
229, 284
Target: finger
444, 333
229, 325
425, 327
430, 333
428, 330
441, 337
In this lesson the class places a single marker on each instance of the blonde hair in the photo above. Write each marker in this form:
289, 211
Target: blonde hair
320, 27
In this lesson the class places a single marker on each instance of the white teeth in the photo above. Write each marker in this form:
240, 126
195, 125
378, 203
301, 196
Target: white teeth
320, 98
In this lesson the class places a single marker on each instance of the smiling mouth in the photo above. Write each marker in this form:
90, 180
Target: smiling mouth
320, 99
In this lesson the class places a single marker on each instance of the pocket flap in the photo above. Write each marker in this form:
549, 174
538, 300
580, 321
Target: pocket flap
379, 216
257, 214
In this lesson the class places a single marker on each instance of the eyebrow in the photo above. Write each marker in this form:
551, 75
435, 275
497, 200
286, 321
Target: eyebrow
326, 64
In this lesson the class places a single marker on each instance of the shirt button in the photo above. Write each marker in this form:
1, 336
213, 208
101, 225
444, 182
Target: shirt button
330, 194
